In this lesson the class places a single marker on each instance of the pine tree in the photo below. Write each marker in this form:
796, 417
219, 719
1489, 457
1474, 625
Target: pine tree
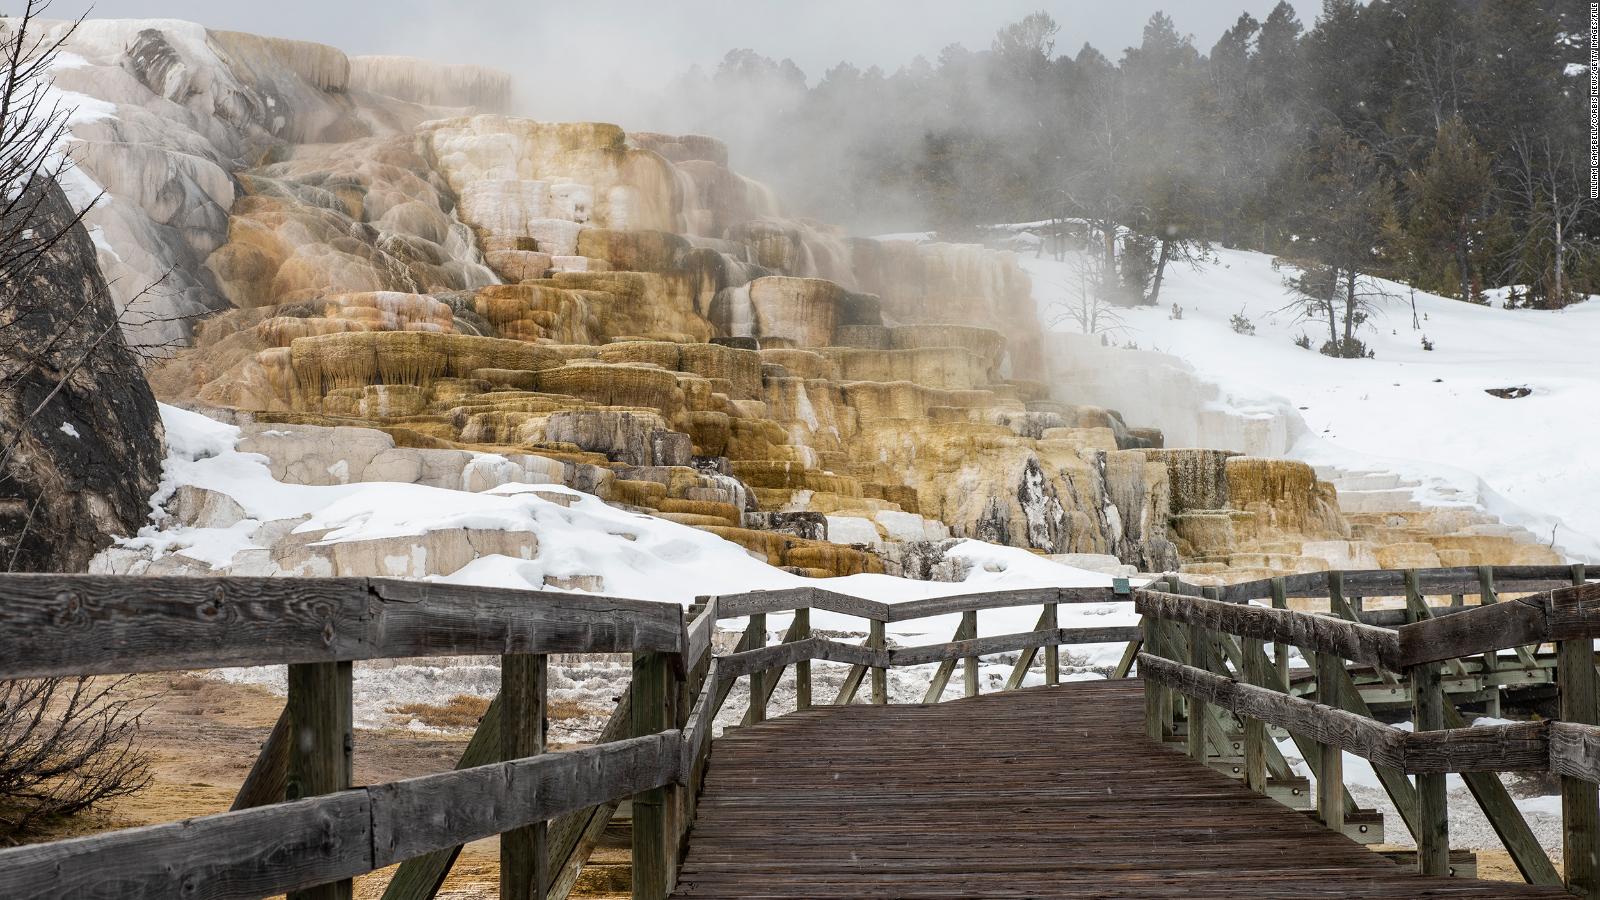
1348, 213
1450, 207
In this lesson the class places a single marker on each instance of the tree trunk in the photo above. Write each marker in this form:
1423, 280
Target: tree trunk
1333, 326
1561, 252
1463, 266
1161, 267
1349, 308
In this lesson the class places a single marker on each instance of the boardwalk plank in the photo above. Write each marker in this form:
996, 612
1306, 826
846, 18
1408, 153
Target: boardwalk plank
1043, 792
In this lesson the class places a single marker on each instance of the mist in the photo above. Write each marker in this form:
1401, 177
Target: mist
629, 62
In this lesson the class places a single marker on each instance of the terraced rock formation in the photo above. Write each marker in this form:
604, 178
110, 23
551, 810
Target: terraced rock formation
623, 314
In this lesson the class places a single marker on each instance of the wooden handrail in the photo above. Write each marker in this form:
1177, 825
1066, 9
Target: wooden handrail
294, 845
1350, 640
1566, 613
1560, 614
1521, 746
74, 624
66, 625
1391, 582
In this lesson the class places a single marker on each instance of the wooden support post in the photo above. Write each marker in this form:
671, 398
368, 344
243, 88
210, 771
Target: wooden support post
1433, 837
1491, 658
969, 621
1025, 657
1200, 658
802, 669
267, 779
1168, 648
880, 675
320, 752
1052, 652
652, 853
1280, 650
420, 877
758, 678
1255, 730
1580, 809
1330, 782
941, 676
1154, 726
1498, 807
524, 856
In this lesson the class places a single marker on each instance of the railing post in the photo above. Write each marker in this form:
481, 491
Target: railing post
1330, 782
758, 679
1491, 658
969, 621
880, 675
652, 714
1200, 658
1255, 730
1433, 832
524, 857
1427, 714
1330, 669
1052, 651
1280, 650
1580, 809
1154, 726
802, 669
320, 752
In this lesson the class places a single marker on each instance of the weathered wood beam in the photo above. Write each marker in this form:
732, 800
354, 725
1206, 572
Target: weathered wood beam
1352, 641
654, 849
265, 783
700, 632
880, 674
800, 630
757, 711
1390, 583
1019, 670
524, 852
1525, 849
1580, 706
319, 708
1362, 736
735, 606
291, 846
1433, 819
420, 877
969, 661
1498, 748
285, 847
941, 676
67, 625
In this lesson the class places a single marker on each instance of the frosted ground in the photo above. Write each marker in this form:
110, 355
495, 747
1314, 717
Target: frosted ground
1422, 414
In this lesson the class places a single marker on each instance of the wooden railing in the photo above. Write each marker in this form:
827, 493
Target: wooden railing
1205, 656
300, 826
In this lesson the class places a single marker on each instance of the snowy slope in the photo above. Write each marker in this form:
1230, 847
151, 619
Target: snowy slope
639, 556
1422, 414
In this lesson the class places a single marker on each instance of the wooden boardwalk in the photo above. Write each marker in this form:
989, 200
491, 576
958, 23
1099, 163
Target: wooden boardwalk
1047, 792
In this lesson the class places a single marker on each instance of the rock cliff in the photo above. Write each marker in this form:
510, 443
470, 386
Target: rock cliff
80, 440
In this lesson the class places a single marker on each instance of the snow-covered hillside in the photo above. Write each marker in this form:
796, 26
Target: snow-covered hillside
1422, 414
575, 539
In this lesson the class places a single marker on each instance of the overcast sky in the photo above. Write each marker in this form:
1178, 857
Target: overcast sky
574, 54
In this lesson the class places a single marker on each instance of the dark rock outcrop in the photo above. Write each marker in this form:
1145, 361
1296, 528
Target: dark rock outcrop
80, 434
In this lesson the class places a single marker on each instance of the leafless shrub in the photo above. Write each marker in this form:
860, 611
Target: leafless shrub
65, 745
